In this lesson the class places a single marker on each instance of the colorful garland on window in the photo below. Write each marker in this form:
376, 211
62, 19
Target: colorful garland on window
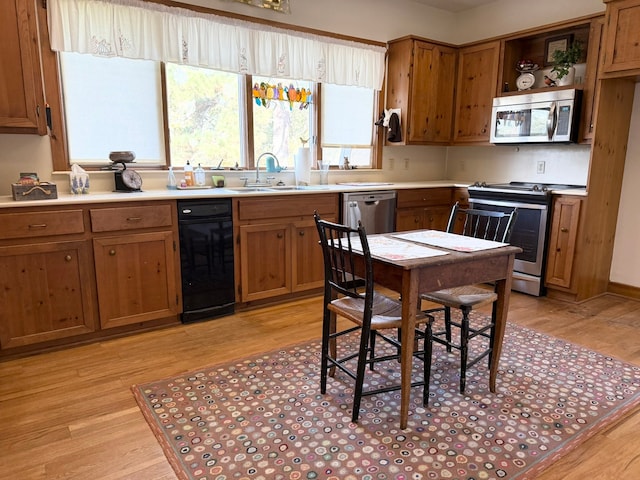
264, 93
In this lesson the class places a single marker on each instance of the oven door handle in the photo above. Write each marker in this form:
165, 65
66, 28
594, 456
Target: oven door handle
501, 203
552, 120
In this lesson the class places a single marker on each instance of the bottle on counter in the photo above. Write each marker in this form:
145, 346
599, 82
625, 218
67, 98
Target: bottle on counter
200, 177
172, 183
188, 174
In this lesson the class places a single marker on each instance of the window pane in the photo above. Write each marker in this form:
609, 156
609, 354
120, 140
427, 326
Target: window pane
112, 104
204, 116
347, 124
278, 125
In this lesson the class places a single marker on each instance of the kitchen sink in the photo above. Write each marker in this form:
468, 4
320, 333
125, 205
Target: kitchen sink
250, 189
278, 188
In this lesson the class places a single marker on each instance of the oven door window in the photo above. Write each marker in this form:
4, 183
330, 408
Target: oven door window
526, 234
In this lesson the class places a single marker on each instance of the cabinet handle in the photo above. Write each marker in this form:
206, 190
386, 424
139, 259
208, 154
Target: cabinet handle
38, 225
301, 233
280, 235
112, 252
134, 219
564, 229
67, 258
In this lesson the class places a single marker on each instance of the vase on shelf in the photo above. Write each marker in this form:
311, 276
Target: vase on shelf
568, 79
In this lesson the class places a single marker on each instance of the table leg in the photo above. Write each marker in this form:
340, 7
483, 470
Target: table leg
409, 302
503, 289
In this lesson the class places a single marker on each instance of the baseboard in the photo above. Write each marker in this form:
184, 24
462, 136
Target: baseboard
624, 290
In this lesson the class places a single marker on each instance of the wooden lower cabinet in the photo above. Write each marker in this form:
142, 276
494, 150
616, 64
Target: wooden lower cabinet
46, 293
77, 273
265, 260
432, 218
563, 235
136, 261
136, 278
277, 249
424, 208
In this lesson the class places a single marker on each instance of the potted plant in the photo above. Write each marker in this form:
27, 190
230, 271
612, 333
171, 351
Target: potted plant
563, 62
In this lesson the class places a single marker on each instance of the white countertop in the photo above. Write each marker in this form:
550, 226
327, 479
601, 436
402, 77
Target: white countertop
165, 194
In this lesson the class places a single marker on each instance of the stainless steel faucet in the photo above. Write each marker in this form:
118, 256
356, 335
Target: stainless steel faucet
258, 182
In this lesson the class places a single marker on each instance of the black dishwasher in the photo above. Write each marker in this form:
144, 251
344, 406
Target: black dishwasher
206, 258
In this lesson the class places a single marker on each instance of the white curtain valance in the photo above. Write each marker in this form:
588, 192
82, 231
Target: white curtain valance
151, 31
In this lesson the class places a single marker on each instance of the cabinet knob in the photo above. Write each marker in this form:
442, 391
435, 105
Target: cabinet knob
301, 233
558, 249
67, 258
280, 235
564, 229
112, 252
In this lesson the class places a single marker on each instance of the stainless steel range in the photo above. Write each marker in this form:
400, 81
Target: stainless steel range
530, 231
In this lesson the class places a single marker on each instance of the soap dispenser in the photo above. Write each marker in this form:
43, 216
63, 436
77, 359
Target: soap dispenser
200, 176
171, 180
188, 174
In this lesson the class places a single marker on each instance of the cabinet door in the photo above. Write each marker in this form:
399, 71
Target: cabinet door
622, 50
409, 219
136, 278
21, 92
265, 260
591, 91
477, 85
46, 293
562, 240
308, 264
436, 218
432, 93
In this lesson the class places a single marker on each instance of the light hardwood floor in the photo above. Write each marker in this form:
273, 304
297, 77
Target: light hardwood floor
70, 414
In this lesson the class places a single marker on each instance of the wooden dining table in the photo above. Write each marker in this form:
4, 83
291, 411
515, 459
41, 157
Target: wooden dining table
396, 267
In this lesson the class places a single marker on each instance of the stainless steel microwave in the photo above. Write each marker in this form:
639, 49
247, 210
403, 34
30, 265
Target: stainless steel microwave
543, 117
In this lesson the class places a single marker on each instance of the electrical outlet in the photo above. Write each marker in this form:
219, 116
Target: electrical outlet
540, 167
406, 164
463, 166
392, 162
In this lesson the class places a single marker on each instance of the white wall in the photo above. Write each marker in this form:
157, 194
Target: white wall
507, 16
625, 267
562, 163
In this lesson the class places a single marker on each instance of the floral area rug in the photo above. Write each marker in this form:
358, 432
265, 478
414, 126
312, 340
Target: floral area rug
263, 417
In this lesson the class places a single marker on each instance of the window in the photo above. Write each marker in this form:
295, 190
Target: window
112, 104
205, 115
283, 120
347, 124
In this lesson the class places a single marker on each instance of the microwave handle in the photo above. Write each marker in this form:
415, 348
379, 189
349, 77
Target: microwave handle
552, 120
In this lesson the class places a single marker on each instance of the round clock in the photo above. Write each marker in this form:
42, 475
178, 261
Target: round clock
131, 179
525, 81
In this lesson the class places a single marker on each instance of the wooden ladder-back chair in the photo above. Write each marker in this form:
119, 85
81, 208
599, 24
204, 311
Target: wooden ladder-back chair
355, 299
488, 225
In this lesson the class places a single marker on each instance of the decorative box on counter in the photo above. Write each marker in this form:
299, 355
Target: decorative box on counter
39, 191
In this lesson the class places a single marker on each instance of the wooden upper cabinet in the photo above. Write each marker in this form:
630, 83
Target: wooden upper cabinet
477, 86
420, 84
622, 38
22, 106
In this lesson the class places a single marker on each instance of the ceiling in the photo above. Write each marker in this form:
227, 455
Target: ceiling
454, 5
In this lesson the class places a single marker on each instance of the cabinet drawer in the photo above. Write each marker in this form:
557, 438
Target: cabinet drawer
424, 197
41, 224
130, 218
287, 206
